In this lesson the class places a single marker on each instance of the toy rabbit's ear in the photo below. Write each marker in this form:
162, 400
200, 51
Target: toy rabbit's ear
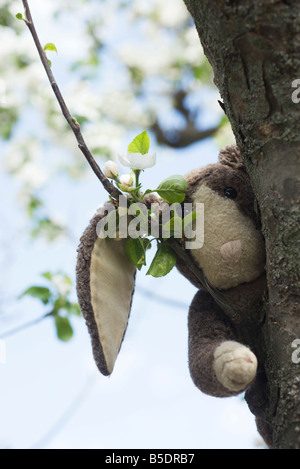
105, 286
231, 156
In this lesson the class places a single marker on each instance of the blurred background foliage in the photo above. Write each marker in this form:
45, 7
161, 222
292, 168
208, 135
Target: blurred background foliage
132, 65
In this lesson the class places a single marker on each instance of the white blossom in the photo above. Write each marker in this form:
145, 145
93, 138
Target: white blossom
62, 283
137, 160
170, 13
32, 174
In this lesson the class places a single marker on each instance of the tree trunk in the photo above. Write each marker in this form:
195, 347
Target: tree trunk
254, 49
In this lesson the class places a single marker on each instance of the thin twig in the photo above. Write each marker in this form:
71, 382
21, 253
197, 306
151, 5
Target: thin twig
182, 138
183, 256
143, 291
24, 326
108, 186
149, 294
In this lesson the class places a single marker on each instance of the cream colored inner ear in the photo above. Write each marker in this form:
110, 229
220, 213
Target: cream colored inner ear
224, 223
112, 285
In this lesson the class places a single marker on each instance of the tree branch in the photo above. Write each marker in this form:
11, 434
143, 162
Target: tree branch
21, 328
253, 49
182, 138
108, 186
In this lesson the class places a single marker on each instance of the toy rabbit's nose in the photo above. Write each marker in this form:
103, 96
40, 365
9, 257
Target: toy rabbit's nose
231, 251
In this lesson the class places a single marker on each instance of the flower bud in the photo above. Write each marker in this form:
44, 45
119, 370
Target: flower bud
126, 183
110, 169
126, 180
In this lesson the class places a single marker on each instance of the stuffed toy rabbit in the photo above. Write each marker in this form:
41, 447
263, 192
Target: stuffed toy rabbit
225, 318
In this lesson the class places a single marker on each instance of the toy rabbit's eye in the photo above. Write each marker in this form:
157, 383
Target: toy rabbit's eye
230, 192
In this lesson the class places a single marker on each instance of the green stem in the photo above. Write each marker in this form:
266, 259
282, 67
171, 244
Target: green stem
137, 177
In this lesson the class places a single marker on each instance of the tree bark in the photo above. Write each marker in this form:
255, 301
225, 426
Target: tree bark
254, 49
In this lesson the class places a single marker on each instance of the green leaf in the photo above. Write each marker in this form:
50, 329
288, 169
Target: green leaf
75, 121
47, 228
72, 308
8, 118
50, 46
50, 63
173, 227
58, 304
140, 144
172, 189
148, 191
163, 261
223, 122
79, 120
67, 279
19, 16
42, 293
47, 275
33, 205
147, 243
135, 250
64, 329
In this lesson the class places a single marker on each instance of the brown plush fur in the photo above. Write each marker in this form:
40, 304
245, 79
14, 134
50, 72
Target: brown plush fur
84, 293
208, 328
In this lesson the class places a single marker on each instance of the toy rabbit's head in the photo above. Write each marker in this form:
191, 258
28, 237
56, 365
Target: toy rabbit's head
233, 249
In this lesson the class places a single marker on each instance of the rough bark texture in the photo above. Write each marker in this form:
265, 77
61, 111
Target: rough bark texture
254, 49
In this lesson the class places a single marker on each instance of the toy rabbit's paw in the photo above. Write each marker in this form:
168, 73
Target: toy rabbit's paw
235, 365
